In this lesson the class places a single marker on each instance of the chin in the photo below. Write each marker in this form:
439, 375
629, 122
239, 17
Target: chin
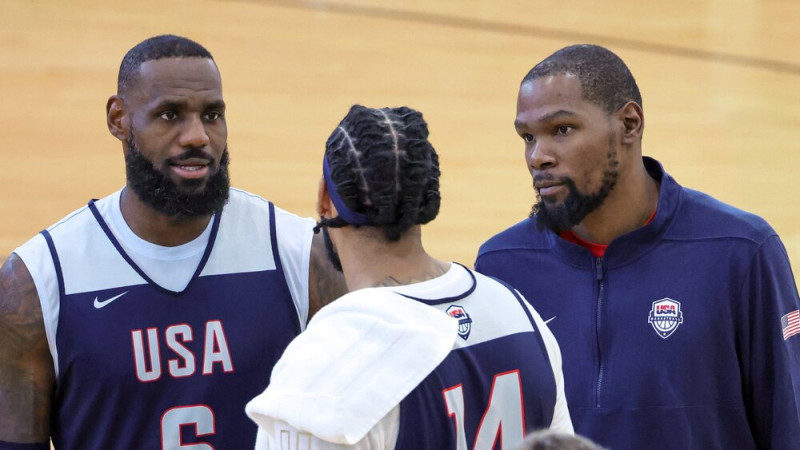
551, 203
196, 186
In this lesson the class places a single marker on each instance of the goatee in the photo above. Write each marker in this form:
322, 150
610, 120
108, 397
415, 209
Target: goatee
577, 205
187, 200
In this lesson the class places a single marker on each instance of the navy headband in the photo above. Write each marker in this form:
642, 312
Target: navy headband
348, 215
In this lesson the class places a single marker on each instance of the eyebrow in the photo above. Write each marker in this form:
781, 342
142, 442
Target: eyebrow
217, 104
547, 117
178, 104
169, 104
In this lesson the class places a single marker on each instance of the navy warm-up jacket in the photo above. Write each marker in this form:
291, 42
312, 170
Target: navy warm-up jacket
682, 336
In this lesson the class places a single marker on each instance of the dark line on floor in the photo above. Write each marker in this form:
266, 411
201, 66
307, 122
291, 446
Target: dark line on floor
465, 23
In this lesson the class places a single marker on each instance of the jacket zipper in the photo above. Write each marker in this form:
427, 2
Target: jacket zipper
601, 291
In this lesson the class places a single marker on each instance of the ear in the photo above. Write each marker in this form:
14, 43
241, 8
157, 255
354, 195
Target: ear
325, 206
632, 118
117, 118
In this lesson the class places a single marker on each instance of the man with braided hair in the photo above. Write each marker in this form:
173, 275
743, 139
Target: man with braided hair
421, 353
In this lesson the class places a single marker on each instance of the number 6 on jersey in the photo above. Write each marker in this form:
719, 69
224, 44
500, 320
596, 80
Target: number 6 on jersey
201, 416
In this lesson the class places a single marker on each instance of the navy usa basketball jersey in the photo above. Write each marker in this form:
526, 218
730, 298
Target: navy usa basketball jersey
395, 379
141, 366
495, 386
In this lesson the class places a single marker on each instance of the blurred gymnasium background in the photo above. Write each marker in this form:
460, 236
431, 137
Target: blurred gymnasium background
720, 81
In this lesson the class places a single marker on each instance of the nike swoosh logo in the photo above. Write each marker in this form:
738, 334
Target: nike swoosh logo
98, 304
546, 321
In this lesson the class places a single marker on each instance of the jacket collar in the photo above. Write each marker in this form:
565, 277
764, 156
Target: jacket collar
638, 242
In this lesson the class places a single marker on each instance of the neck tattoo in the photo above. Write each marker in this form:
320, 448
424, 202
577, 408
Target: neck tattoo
435, 272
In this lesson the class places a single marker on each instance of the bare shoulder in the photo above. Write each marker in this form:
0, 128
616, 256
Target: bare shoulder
26, 367
325, 283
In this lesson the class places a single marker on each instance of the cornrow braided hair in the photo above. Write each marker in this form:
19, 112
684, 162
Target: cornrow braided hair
383, 167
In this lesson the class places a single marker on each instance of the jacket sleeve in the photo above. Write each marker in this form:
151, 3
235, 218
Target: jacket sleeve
770, 348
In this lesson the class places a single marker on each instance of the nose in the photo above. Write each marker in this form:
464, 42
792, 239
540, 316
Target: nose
194, 133
538, 155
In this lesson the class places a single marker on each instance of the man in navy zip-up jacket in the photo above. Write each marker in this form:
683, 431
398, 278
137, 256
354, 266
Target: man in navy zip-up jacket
677, 315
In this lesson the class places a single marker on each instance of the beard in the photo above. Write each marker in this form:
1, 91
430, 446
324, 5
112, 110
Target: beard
187, 200
577, 205
330, 250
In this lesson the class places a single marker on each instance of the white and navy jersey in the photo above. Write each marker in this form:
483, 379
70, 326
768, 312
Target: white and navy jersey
457, 362
146, 364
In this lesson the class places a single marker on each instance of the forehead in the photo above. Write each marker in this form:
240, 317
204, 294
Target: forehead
178, 77
549, 95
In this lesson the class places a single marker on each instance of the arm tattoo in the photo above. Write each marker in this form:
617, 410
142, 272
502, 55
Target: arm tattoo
26, 368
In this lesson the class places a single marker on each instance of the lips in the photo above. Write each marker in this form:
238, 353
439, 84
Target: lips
549, 189
191, 168
546, 186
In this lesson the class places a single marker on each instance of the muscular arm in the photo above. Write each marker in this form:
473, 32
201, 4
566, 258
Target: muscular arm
325, 283
27, 377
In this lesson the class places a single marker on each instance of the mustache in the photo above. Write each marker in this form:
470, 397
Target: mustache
540, 178
192, 153
547, 176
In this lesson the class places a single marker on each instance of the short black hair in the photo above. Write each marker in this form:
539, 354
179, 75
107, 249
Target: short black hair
605, 79
157, 47
553, 440
384, 167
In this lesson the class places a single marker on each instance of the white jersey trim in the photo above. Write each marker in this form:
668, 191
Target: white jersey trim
170, 267
293, 235
562, 422
36, 256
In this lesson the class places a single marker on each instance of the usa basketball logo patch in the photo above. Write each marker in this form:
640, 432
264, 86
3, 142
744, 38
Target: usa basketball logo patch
665, 317
464, 322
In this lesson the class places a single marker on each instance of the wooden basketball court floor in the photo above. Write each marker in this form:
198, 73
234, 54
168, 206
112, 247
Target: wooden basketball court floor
720, 81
